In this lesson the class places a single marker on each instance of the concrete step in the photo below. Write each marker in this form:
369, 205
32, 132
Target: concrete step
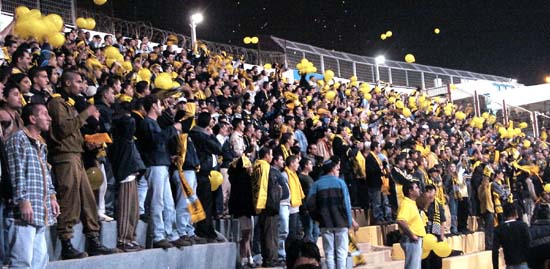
222, 255
385, 265
377, 257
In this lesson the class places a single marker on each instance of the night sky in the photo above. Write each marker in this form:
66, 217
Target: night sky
506, 38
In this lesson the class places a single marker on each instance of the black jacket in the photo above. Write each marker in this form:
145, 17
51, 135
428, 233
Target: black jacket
124, 154
374, 173
206, 145
152, 142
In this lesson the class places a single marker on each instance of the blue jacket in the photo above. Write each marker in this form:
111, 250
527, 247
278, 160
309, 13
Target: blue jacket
329, 203
152, 142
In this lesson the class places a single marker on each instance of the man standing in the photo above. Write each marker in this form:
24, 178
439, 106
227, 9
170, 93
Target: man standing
267, 190
514, 237
207, 147
411, 225
34, 203
375, 172
329, 203
155, 155
74, 193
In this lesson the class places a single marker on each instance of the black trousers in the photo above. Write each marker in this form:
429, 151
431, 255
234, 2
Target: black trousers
269, 225
462, 214
205, 228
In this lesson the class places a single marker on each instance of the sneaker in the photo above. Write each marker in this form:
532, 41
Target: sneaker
103, 217
135, 243
164, 244
198, 240
68, 252
129, 247
188, 239
181, 242
96, 248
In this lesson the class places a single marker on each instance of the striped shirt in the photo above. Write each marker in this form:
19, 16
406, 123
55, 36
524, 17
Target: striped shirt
30, 176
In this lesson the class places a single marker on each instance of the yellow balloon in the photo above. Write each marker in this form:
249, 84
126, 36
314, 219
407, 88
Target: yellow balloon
100, 2
377, 90
267, 66
330, 95
399, 104
547, 187
246, 40
383, 36
216, 180
33, 13
523, 125
485, 115
428, 242
391, 100
425, 253
56, 20
407, 112
127, 65
82, 23
409, 58
21, 11
56, 40
442, 249
436, 31
254, 40
109, 62
389, 33
526, 144
111, 52
119, 58
144, 75
353, 78
90, 23
175, 84
368, 96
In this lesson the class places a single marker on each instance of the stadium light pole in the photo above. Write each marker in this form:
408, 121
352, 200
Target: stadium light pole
195, 19
378, 61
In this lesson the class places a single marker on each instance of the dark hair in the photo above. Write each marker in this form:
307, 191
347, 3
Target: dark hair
276, 156
35, 70
9, 87
263, 152
298, 248
510, 210
236, 122
18, 53
284, 138
374, 145
328, 165
290, 159
203, 120
304, 161
141, 86
68, 75
28, 110
149, 101
408, 186
429, 187
100, 92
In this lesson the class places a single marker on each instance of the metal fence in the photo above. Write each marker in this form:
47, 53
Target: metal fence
398, 73
65, 8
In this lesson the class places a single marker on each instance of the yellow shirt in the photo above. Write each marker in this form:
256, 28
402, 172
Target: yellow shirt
409, 213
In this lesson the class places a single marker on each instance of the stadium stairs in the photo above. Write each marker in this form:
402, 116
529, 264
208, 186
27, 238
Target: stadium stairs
221, 255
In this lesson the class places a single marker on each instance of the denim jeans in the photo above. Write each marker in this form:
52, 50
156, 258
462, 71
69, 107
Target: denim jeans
183, 217
335, 245
453, 208
160, 203
413, 252
375, 201
283, 229
142, 187
28, 247
489, 222
311, 228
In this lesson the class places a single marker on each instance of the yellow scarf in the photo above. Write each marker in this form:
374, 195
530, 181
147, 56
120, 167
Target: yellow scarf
360, 161
285, 152
261, 181
194, 205
296, 192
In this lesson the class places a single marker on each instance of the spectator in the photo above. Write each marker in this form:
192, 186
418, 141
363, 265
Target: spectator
513, 235
155, 155
329, 204
411, 225
74, 193
35, 205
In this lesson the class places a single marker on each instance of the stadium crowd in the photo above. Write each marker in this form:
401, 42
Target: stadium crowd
85, 139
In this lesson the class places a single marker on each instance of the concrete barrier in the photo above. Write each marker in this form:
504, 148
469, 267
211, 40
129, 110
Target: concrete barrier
222, 255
